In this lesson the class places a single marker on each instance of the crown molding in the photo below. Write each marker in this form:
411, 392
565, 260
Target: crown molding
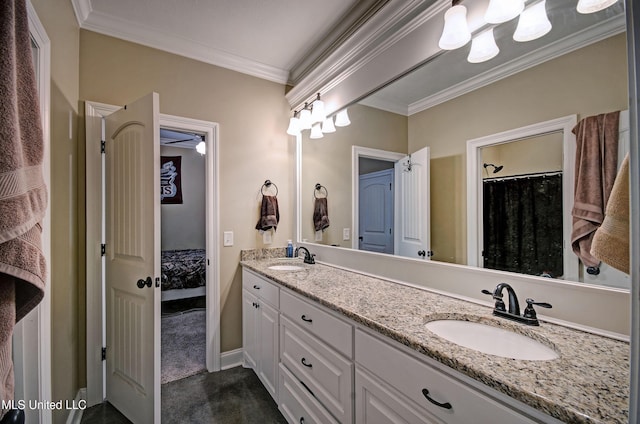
595, 33
136, 33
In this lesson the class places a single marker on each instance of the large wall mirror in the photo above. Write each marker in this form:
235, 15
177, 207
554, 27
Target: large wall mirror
578, 69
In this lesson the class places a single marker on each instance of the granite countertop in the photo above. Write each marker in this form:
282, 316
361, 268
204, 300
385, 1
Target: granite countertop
588, 383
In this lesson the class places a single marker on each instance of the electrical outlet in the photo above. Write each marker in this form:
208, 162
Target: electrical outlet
346, 234
228, 238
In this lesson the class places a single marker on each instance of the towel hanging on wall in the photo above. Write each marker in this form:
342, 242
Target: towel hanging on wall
320, 208
611, 239
595, 171
23, 195
269, 212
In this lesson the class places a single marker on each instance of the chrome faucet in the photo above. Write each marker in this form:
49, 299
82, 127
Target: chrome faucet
308, 256
513, 313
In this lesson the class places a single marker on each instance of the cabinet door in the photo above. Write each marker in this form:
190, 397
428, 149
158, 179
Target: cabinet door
379, 403
249, 345
268, 346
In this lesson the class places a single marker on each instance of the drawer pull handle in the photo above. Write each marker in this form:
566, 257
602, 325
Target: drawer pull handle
301, 420
305, 319
445, 405
256, 287
305, 363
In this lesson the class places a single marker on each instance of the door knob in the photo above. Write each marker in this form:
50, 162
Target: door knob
422, 253
142, 283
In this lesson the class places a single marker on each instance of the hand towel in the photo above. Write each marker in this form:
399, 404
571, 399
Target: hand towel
23, 195
269, 214
320, 214
611, 239
595, 171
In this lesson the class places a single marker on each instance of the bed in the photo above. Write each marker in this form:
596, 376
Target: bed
183, 273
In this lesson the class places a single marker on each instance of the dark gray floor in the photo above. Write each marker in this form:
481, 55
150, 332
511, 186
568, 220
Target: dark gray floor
233, 396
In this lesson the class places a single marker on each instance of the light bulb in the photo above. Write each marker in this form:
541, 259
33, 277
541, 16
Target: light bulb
342, 118
533, 23
503, 10
483, 47
456, 32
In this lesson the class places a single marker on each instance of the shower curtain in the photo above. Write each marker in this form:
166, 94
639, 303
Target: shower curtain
523, 225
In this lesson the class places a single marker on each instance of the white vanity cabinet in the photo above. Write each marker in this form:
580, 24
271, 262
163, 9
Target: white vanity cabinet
316, 350
393, 386
260, 329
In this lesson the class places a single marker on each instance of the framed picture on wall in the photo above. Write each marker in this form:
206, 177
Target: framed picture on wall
170, 180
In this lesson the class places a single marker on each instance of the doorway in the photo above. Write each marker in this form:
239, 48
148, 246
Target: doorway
94, 117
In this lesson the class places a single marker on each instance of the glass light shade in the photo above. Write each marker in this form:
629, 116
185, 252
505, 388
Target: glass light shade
483, 47
201, 148
316, 132
456, 31
342, 118
305, 119
327, 126
294, 126
533, 23
503, 10
592, 6
317, 114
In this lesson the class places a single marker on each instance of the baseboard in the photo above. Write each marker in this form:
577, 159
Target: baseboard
79, 404
231, 359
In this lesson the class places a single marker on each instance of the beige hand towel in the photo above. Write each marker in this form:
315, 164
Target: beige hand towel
611, 241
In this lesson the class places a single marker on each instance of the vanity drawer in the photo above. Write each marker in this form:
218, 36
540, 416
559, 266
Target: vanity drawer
260, 287
337, 333
413, 377
296, 403
326, 373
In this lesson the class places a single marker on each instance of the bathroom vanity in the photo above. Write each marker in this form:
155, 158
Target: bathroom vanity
336, 346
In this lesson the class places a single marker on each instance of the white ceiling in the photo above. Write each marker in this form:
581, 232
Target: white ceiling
257, 37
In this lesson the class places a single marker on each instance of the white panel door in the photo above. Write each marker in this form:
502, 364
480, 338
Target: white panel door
413, 226
133, 259
376, 211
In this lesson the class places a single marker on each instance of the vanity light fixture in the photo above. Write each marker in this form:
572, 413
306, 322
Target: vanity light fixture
313, 117
483, 47
592, 6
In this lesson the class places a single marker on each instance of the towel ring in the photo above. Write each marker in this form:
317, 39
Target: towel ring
319, 188
268, 184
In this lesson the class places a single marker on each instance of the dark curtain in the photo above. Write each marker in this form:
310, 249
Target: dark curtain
523, 225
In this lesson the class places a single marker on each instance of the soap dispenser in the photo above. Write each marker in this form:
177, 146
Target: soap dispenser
289, 249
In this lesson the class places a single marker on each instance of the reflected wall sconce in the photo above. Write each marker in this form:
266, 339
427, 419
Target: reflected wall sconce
533, 23
313, 117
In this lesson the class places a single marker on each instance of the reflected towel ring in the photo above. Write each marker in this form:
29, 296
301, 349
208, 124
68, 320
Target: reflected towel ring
268, 184
319, 188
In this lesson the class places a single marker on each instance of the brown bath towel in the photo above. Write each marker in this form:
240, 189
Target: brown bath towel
611, 239
269, 214
595, 172
320, 214
23, 196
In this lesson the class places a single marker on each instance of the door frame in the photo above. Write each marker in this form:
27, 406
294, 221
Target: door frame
358, 152
94, 177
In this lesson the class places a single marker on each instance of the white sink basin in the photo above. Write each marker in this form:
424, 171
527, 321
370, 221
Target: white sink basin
286, 267
492, 340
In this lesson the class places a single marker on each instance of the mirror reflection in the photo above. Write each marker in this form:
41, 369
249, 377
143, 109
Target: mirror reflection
586, 81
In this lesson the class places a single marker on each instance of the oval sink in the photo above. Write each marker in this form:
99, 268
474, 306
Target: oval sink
286, 267
492, 340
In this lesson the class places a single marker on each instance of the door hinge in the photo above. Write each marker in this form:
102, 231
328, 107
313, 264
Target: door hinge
103, 146
103, 249
157, 281
104, 353
389, 186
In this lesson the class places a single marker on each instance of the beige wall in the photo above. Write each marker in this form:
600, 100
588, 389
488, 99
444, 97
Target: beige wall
328, 161
67, 297
183, 225
253, 116
586, 82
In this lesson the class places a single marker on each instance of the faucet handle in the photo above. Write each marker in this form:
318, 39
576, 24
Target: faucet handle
529, 312
499, 306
